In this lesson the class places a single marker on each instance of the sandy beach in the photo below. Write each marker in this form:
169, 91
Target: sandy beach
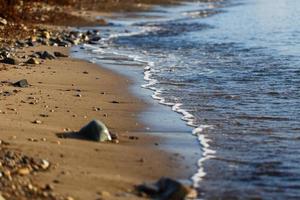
63, 96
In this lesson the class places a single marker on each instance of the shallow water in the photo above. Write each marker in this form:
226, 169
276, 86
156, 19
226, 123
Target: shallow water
232, 69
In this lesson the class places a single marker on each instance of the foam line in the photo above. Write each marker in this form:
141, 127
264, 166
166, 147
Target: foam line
151, 83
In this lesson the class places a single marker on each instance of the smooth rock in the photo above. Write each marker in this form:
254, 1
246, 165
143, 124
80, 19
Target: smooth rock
96, 131
59, 54
164, 189
96, 39
37, 122
46, 55
21, 83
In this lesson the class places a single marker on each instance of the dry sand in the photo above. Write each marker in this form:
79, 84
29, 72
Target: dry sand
82, 169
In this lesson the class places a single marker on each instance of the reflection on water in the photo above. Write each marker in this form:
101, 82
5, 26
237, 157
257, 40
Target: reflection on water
232, 68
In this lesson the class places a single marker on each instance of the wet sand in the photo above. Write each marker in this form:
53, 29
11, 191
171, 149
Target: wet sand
64, 95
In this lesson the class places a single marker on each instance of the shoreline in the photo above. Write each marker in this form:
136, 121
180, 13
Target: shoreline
54, 88
65, 94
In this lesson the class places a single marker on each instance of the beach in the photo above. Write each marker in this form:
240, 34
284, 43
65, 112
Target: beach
64, 95
149, 99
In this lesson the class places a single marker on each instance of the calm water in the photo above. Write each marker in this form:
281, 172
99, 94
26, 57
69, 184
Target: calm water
232, 69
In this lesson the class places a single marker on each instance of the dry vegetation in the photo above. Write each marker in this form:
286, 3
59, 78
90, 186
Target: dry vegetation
23, 9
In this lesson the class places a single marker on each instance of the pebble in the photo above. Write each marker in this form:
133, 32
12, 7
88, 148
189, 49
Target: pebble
48, 187
24, 171
96, 109
37, 122
44, 164
67, 130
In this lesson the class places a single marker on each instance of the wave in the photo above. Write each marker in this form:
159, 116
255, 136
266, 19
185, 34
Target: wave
108, 51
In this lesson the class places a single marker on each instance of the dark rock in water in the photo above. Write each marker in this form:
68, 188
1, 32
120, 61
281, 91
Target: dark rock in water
164, 189
59, 54
92, 42
10, 61
95, 39
21, 83
46, 55
96, 131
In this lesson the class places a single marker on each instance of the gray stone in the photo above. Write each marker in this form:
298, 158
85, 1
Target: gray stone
164, 189
96, 131
21, 83
46, 55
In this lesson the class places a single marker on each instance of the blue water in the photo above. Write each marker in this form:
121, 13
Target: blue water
232, 69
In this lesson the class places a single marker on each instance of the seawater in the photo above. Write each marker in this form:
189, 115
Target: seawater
231, 69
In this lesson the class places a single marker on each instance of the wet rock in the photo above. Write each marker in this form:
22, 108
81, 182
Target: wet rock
95, 39
46, 55
21, 83
96, 131
59, 54
37, 122
164, 189
10, 61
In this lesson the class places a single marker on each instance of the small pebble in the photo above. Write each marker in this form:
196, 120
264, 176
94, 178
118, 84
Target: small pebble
37, 122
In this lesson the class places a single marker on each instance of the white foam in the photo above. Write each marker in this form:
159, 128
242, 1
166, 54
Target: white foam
149, 71
207, 153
